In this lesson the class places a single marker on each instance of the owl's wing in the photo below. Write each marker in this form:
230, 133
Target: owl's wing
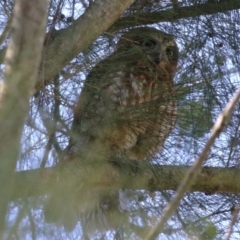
86, 113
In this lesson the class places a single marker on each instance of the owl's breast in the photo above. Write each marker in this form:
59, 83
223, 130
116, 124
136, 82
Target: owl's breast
131, 88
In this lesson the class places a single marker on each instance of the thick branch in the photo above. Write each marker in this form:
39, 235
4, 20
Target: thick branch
172, 15
74, 39
22, 62
42, 181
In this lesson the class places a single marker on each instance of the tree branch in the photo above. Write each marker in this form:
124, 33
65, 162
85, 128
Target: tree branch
172, 15
22, 62
74, 39
39, 182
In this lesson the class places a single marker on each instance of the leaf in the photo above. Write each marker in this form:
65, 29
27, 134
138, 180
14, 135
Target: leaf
209, 232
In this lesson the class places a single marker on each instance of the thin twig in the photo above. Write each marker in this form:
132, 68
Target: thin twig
235, 212
195, 168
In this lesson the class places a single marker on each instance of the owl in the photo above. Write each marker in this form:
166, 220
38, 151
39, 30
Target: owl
126, 108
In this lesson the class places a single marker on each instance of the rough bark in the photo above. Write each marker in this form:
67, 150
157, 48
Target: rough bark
22, 62
74, 39
38, 182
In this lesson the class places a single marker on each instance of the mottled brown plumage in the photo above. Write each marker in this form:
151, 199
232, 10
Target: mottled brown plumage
126, 110
127, 106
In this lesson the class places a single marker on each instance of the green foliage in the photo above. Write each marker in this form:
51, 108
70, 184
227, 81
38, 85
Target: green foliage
204, 230
209, 232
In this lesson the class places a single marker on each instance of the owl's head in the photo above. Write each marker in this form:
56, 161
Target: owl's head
158, 47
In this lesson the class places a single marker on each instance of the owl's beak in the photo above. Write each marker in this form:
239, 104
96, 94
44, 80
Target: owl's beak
156, 57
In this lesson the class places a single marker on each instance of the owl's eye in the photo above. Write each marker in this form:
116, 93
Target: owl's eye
147, 43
